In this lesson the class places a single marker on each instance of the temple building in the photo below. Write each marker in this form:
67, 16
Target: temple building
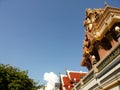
101, 52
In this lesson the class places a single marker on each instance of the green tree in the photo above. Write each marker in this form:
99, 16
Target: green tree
12, 78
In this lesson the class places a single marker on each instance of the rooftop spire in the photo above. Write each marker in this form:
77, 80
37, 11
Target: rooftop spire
106, 4
59, 73
65, 69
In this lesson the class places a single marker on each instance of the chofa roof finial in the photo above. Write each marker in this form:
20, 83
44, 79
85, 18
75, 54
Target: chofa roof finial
59, 73
65, 68
106, 4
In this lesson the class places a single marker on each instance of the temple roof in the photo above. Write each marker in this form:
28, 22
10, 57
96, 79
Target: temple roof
68, 81
65, 81
75, 76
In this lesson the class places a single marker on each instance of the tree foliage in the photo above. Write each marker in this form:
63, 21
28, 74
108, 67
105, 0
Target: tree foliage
12, 78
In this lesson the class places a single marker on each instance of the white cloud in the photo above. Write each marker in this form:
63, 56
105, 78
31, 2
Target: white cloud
51, 79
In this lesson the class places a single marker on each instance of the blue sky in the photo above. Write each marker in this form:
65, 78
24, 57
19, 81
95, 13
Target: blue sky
44, 35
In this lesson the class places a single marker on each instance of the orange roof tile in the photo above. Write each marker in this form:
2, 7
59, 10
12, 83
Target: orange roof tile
75, 76
66, 84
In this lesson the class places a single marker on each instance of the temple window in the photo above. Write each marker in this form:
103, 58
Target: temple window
102, 47
105, 43
110, 36
114, 30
